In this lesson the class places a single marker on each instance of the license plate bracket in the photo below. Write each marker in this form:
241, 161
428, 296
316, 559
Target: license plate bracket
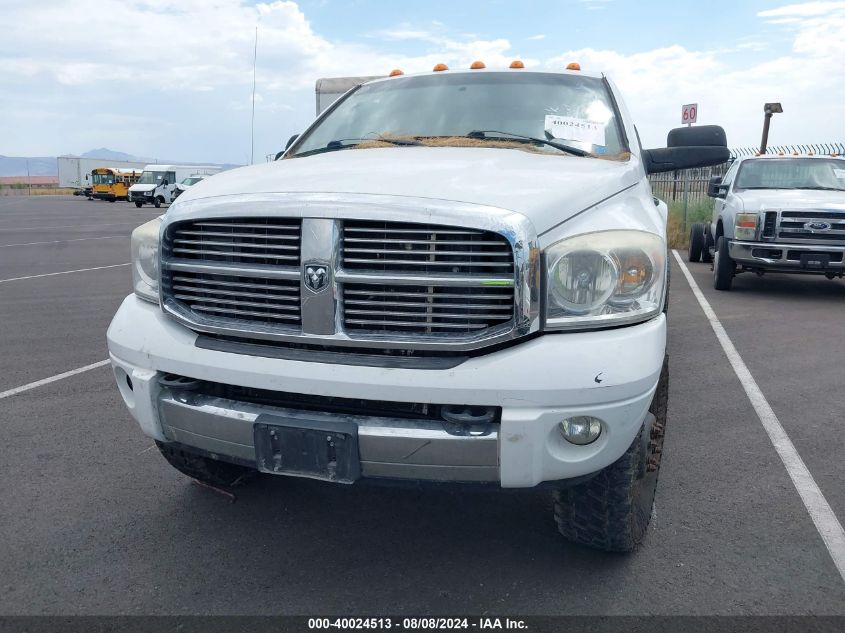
815, 260
316, 449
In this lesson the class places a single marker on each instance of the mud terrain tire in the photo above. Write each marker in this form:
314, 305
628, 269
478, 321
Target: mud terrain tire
612, 510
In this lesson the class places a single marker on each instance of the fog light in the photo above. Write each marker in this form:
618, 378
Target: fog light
581, 429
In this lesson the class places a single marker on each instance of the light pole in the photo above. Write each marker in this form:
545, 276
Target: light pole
768, 110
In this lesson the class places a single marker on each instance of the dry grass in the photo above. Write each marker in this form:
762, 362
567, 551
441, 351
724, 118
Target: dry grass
37, 191
698, 211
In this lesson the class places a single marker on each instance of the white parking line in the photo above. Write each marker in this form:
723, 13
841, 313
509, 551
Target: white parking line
62, 272
69, 226
817, 506
47, 381
81, 239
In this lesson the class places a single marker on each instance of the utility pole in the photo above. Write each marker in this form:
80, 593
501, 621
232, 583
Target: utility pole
252, 123
768, 110
28, 177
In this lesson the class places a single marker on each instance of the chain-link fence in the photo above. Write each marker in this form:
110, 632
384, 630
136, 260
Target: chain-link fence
669, 186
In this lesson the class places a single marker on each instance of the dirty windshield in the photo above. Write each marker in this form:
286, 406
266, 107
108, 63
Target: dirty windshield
792, 173
475, 109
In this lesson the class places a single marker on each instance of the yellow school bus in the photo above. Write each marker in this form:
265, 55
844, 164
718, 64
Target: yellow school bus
112, 183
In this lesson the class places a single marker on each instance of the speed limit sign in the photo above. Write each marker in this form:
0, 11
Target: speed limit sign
689, 113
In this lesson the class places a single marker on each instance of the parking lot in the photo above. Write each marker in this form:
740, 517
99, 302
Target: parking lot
94, 521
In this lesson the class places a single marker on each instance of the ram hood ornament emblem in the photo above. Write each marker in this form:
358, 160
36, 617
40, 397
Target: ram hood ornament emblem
316, 276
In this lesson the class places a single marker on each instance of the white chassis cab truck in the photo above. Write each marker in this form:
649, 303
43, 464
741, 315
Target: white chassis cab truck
475, 293
783, 214
157, 185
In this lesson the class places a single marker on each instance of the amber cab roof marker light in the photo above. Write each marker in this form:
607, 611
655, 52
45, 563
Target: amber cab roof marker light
440, 67
396, 72
573, 66
517, 64
477, 65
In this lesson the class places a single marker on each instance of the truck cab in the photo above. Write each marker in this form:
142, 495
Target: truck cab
453, 276
775, 213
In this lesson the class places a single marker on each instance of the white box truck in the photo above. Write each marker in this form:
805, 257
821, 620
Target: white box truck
330, 89
75, 171
157, 184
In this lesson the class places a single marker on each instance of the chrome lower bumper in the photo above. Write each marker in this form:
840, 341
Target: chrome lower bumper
786, 256
388, 447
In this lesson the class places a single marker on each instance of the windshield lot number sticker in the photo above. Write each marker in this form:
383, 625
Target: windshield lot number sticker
839, 173
570, 128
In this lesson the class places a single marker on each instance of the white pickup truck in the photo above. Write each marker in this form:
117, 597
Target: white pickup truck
451, 276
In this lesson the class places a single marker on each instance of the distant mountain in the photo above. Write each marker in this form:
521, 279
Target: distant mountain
47, 166
38, 166
108, 154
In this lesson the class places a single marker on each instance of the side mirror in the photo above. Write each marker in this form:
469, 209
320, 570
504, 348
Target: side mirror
715, 188
164, 183
287, 145
688, 147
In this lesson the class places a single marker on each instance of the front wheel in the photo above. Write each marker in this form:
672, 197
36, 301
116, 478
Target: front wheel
612, 510
139, 204
696, 242
724, 267
157, 203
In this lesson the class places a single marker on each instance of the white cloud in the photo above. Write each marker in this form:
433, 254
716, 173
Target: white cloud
809, 81
804, 9
183, 88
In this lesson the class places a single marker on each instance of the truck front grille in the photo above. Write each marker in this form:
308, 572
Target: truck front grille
402, 284
391, 247
264, 241
227, 270
270, 302
795, 225
425, 309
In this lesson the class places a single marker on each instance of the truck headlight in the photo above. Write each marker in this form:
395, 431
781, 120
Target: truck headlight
148, 193
746, 226
604, 279
144, 246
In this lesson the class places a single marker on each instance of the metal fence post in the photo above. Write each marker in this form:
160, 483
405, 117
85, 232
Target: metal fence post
686, 198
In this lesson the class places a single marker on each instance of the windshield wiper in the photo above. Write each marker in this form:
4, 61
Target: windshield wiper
347, 143
823, 188
339, 143
483, 134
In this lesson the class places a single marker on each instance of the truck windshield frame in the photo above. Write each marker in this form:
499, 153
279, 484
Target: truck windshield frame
451, 106
791, 173
151, 177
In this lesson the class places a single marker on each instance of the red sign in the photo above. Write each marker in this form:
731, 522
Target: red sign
689, 113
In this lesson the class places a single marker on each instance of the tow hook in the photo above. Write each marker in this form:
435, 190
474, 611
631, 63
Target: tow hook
179, 382
466, 420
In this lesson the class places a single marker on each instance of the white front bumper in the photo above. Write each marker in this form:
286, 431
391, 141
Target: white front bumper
609, 374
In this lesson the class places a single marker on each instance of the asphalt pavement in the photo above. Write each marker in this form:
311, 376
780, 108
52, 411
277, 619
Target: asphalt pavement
94, 521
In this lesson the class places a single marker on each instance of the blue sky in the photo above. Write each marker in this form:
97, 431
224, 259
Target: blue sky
173, 78
566, 24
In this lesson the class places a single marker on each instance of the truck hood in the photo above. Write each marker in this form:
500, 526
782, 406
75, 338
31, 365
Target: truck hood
761, 199
140, 187
548, 189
